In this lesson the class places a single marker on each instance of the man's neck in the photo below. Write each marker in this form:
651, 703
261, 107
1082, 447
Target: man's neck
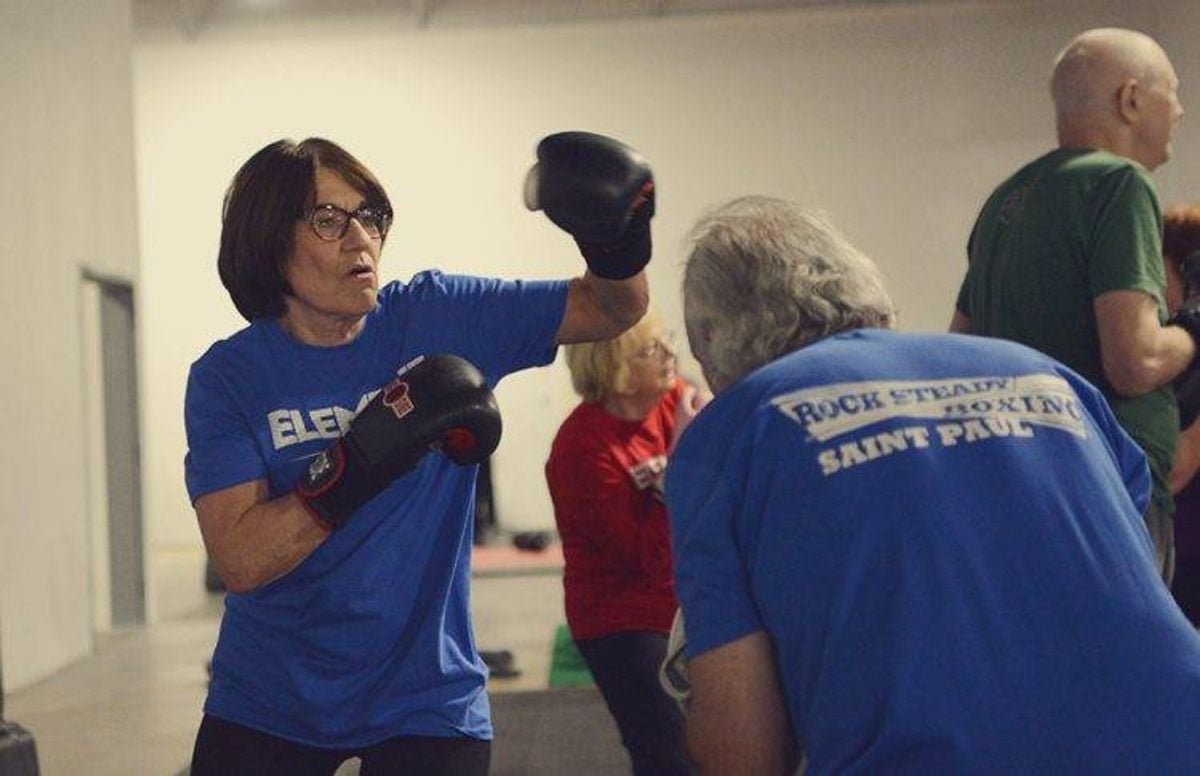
1094, 137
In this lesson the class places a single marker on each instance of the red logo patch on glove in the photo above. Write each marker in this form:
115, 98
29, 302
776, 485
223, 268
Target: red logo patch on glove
395, 396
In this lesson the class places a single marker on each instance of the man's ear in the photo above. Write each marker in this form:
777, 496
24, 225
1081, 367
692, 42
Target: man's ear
704, 331
1128, 97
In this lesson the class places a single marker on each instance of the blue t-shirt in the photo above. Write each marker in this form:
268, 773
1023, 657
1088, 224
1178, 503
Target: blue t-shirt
369, 637
942, 536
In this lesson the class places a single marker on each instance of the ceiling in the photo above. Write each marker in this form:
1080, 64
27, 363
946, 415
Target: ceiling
192, 17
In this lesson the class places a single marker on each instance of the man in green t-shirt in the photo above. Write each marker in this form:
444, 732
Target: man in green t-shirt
1066, 255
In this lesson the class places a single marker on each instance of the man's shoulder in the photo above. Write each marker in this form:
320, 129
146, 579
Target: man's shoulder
866, 355
1098, 159
1066, 186
1010, 193
1075, 163
1101, 164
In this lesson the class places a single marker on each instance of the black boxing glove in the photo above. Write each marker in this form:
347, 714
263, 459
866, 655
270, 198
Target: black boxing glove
439, 402
601, 192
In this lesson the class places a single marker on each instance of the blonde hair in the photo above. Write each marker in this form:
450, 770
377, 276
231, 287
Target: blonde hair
600, 369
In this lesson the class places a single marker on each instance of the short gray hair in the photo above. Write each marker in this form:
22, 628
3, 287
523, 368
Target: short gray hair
766, 277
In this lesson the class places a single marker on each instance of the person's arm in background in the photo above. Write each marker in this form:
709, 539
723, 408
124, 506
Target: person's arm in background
1138, 353
1126, 274
691, 400
738, 722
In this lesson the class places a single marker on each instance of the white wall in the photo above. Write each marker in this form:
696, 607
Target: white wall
67, 201
897, 121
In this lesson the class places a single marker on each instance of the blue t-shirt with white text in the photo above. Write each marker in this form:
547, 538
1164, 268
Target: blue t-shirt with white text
942, 536
369, 637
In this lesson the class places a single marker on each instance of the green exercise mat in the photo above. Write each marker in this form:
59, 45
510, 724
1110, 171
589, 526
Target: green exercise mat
567, 668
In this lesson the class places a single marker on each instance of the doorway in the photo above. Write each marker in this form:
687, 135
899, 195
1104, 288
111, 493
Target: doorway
114, 456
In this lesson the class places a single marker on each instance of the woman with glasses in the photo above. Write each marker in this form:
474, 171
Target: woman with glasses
343, 541
605, 474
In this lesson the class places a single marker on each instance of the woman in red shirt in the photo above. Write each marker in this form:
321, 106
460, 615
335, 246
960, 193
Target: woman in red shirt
605, 476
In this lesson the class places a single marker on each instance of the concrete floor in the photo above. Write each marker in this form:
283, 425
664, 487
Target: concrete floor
133, 707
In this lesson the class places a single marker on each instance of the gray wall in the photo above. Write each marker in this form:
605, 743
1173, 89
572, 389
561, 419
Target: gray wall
67, 201
896, 120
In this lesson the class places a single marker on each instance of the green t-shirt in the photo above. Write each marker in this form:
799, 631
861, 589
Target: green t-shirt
1063, 230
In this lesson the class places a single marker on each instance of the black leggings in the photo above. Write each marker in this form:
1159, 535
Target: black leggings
625, 667
226, 749
1186, 587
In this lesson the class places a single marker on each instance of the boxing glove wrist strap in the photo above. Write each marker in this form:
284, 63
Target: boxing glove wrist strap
334, 487
621, 259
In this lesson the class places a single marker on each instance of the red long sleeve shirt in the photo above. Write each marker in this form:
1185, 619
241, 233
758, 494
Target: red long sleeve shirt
612, 521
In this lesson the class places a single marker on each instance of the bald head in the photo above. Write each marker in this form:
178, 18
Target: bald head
1097, 81
1093, 66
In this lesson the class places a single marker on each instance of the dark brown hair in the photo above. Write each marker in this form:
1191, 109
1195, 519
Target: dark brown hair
268, 195
1181, 231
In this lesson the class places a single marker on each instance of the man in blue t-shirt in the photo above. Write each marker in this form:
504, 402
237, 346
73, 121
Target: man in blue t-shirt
899, 552
325, 443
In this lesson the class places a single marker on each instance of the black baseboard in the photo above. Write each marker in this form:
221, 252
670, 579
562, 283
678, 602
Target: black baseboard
18, 754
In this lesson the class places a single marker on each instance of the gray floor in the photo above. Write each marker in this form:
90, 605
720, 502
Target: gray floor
133, 707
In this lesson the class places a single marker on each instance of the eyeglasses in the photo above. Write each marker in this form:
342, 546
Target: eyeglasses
330, 222
662, 347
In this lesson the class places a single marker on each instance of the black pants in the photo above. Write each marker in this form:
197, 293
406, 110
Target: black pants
625, 667
1186, 588
226, 749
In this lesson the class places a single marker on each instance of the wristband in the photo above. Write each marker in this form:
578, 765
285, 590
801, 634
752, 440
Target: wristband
332, 488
